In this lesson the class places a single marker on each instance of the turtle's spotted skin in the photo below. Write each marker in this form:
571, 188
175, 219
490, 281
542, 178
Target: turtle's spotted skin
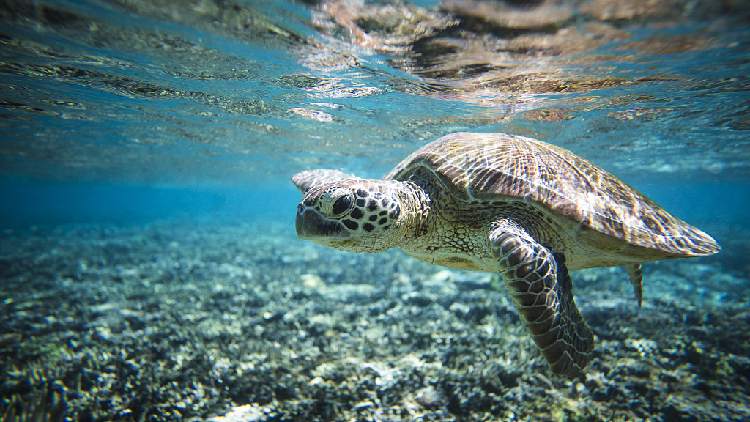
516, 206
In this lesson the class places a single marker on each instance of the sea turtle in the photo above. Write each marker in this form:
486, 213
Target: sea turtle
505, 204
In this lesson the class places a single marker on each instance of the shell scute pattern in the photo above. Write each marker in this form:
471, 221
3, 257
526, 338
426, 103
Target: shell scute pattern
485, 167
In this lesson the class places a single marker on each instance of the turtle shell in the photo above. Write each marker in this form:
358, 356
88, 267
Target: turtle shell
497, 167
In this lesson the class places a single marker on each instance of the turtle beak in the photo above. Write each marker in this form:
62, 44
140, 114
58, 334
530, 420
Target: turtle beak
312, 226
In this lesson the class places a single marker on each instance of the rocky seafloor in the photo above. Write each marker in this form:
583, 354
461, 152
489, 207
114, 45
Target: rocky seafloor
244, 322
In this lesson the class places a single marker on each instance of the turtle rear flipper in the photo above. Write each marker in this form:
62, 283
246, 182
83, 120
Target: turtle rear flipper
541, 289
636, 279
306, 180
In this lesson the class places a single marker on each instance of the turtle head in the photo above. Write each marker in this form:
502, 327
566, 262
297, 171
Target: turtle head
356, 215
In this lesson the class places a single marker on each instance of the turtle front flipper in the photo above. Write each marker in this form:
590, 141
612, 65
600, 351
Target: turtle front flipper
541, 289
306, 180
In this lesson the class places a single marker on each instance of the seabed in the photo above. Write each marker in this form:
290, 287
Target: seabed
243, 322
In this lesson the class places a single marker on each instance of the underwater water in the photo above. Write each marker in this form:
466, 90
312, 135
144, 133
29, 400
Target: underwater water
149, 265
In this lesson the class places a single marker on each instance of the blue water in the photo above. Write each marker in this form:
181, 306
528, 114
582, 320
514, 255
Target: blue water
45, 202
143, 114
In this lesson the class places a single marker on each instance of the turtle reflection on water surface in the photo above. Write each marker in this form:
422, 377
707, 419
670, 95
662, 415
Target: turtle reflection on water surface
504, 204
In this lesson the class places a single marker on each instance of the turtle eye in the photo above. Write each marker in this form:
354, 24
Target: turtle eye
342, 205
